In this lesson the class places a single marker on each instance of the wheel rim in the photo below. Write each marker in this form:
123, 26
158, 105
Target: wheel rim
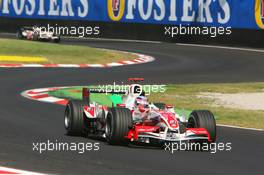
191, 122
67, 118
108, 129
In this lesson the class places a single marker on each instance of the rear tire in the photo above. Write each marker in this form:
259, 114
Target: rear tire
35, 36
57, 40
203, 119
73, 118
118, 123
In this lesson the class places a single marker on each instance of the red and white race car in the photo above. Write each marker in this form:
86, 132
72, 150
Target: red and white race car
36, 33
135, 120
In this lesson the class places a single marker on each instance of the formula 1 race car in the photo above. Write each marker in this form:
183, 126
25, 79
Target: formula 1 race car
132, 119
36, 33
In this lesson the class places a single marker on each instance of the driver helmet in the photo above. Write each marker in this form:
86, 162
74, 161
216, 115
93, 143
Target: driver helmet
142, 103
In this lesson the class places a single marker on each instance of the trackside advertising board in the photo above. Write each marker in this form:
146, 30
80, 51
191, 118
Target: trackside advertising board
229, 13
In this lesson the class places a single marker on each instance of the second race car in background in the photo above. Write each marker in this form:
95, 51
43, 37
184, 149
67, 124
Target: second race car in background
36, 33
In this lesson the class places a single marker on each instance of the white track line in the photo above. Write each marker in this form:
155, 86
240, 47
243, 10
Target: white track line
118, 40
16, 171
180, 44
221, 47
238, 127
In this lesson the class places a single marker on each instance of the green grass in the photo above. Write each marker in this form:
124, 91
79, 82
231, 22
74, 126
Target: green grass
59, 53
185, 97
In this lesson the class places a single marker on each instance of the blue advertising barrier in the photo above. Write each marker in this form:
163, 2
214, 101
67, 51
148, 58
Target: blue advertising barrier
240, 14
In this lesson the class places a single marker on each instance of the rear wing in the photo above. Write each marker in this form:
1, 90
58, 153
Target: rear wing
136, 80
133, 89
86, 93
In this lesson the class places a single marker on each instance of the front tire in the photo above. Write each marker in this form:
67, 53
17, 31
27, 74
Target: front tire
203, 119
73, 118
118, 123
19, 34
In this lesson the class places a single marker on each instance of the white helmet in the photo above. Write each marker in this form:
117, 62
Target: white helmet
142, 103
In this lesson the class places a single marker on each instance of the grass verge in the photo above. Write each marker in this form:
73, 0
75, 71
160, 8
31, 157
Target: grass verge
185, 97
59, 53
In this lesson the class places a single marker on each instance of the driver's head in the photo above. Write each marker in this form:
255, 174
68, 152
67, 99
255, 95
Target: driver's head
142, 103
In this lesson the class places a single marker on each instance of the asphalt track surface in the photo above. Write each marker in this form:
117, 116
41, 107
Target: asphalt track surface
23, 122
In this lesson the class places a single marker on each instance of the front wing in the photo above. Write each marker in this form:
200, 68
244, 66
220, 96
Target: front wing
140, 132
